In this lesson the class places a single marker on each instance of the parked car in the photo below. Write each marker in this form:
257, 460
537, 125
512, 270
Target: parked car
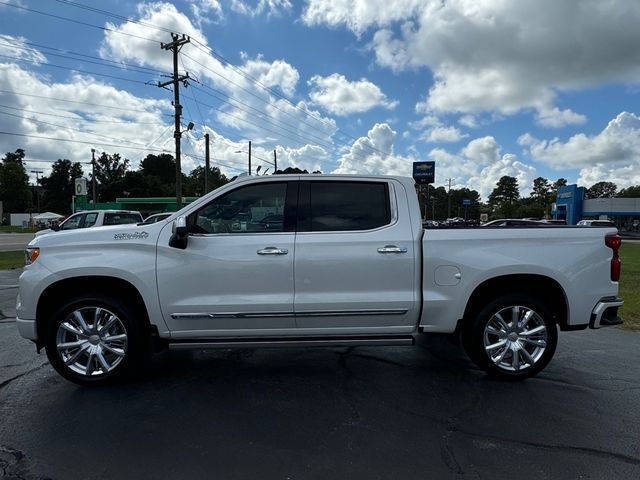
350, 265
95, 218
595, 223
157, 217
511, 222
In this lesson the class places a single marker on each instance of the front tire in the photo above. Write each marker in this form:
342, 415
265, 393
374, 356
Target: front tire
94, 340
514, 337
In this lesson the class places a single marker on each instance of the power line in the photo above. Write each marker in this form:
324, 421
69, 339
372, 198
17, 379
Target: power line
76, 101
35, 62
101, 61
67, 127
79, 118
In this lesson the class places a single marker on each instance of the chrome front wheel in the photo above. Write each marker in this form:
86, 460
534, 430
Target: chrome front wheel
92, 341
95, 339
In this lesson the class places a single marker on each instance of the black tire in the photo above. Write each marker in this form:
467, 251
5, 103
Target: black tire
108, 356
525, 351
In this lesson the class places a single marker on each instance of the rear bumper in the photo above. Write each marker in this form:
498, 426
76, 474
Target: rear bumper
605, 313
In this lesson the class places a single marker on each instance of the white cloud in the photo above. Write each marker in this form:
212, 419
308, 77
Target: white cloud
442, 134
468, 121
17, 47
557, 118
276, 74
206, 11
374, 154
479, 166
246, 107
499, 55
309, 158
339, 96
358, 15
271, 7
614, 153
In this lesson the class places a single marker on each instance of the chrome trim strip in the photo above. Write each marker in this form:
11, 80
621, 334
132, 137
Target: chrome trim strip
318, 313
283, 342
352, 313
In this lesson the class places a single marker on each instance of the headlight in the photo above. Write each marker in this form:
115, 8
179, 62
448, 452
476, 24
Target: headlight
31, 254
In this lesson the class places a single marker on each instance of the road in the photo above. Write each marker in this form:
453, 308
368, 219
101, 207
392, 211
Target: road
370, 413
14, 241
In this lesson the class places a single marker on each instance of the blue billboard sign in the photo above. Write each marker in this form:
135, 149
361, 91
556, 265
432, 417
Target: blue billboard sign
424, 172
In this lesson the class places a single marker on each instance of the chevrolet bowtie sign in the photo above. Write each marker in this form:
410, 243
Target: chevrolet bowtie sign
424, 172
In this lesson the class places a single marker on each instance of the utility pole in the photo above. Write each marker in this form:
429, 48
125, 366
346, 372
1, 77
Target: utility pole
37, 172
275, 161
94, 189
449, 198
249, 157
206, 163
177, 134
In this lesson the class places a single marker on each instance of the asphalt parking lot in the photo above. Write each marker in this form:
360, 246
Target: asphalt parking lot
389, 413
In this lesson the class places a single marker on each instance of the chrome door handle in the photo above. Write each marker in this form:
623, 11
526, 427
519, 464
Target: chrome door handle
273, 251
392, 249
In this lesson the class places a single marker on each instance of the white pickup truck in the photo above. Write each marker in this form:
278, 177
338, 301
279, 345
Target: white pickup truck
313, 260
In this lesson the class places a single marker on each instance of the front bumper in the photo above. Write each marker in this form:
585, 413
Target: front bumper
27, 328
605, 313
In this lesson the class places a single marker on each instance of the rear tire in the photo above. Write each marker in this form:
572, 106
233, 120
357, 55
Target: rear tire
95, 339
512, 338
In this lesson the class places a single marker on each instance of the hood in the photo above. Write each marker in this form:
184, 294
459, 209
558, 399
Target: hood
112, 234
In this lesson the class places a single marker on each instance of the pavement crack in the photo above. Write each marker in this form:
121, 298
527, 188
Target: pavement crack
598, 452
20, 375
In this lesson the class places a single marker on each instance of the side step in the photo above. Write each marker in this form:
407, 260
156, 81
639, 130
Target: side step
271, 342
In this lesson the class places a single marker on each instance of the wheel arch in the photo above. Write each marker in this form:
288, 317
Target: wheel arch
543, 288
66, 289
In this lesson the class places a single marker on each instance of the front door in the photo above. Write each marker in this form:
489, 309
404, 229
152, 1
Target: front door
235, 276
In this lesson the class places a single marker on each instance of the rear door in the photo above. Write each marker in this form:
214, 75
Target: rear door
354, 265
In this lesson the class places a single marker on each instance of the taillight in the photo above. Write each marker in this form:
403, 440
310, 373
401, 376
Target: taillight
614, 242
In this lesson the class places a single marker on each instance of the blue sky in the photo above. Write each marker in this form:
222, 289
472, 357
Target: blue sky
484, 87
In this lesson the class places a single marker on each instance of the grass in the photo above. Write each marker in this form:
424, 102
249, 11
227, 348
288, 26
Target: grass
14, 229
11, 260
630, 285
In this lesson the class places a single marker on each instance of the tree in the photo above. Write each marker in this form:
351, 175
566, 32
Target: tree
110, 172
59, 186
561, 182
289, 170
602, 190
194, 185
503, 198
541, 191
630, 192
162, 166
15, 193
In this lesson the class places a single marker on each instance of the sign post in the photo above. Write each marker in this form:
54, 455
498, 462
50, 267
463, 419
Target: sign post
424, 174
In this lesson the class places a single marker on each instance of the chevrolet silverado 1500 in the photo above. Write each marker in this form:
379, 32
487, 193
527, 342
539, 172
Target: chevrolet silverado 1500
313, 260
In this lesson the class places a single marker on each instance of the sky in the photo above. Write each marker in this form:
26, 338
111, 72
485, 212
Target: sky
484, 88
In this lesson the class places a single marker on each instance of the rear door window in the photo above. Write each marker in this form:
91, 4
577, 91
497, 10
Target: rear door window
348, 206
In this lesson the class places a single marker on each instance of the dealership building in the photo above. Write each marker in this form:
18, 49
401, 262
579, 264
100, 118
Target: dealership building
572, 206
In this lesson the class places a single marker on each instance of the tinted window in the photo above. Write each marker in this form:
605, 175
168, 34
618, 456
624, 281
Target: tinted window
121, 218
340, 206
251, 209
90, 219
72, 222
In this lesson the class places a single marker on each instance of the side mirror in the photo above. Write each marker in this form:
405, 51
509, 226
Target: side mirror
179, 233
55, 228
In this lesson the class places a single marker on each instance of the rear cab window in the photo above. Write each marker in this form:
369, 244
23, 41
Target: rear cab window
121, 218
